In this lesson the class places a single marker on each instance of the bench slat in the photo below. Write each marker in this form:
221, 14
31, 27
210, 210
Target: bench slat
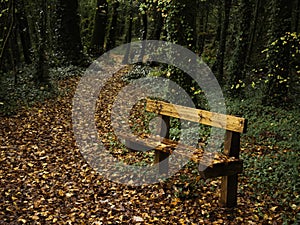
222, 169
227, 122
221, 165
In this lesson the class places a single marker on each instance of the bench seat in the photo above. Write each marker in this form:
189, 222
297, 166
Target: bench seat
221, 165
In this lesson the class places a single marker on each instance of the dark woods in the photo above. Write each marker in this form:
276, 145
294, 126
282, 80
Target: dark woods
251, 45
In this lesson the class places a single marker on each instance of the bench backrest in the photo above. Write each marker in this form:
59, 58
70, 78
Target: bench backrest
227, 122
233, 125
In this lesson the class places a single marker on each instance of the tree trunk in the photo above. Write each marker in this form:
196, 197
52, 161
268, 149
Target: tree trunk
24, 31
219, 25
97, 45
253, 30
238, 61
204, 10
297, 15
111, 41
218, 67
42, 76
144, 34
7, 31
129, 33
278, 60
69, 32
158, 26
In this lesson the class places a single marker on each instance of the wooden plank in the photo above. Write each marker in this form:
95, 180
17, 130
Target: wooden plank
227, 122
232, 144
229, 197
229, 184
163, 130
150, 142
221, 169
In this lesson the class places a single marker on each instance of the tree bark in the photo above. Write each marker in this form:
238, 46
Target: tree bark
111, 40
7, 30
278, 60
69, 32
129, 33
239, 60
24, 31
204, 10
97, 45
218, 67
158, 26
253, 30
144, 35
297, 15
42, 76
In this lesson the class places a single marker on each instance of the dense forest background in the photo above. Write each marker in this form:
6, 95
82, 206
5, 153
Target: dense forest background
252, 46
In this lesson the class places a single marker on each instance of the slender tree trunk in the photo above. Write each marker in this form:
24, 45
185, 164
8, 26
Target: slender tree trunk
278, 60
218, 67
7, 29
129, 33
144, 35
156, 25
203, 27
111, 40
296, 25
253, 30
42, 77
219, 26
97, 45
24, 31
159, 26
69, 32
238, 62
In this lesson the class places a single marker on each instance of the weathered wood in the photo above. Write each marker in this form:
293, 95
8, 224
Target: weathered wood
229, 187
228, 122
163, 157
150, 142
226, 164
229, 184
221, 169
232, 144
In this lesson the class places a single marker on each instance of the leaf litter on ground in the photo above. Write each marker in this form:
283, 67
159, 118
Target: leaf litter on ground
45, 179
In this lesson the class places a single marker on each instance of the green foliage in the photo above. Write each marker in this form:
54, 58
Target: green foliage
60, 73
138, 71
25, 93
268, 125
270, 174
209, 55
87, 9
282, 68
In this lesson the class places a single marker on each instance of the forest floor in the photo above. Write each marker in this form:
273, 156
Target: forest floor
45, 180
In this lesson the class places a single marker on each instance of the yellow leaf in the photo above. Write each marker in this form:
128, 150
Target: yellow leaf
35, 217
175, 201
274, 208
61, 192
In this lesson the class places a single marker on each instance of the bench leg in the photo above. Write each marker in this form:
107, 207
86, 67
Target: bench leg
163, 164
229, 191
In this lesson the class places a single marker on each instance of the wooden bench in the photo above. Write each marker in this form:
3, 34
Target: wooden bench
225, 164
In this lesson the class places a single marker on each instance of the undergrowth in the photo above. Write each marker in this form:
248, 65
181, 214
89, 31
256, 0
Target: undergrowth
270, 151
21, 91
